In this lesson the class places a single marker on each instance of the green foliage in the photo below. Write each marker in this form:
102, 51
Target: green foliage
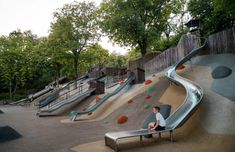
133, 54
216, 15
165, 43
23, 65
94, 55
74, 29
16, 59
136, 23
117, 60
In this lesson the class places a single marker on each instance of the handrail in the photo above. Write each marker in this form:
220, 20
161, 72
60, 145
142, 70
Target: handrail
65, 102
56, 94
102, 100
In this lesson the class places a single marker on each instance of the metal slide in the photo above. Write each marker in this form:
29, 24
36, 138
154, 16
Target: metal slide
102, 100
180, 116
33, 96
47, 88
57, 106
56, 94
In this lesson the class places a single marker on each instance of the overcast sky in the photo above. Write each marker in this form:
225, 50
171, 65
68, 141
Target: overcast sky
36, 15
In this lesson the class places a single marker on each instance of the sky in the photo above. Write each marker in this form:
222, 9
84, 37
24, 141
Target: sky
36, 15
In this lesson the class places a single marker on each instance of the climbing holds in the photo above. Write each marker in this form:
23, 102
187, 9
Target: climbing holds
221, 72
181, 67
97, 99
147, 106
148, 82
89, 114
121, 82
130, 101
148, 97
122, 119
150, 89
89, 87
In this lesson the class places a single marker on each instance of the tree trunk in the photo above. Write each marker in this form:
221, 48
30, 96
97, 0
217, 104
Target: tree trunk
10, 90
57, 75
15, 87
143, 47
76, 71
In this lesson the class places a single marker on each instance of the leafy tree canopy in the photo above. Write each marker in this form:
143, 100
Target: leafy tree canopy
74, 29
216, 15
136, 23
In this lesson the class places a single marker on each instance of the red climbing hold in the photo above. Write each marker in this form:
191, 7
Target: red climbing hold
130, 101
122, 119
121, 82
148, 82
148, 97
97, 99
89, 113
89, 87
181, 67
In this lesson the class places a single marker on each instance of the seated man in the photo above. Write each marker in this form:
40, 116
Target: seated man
160, 121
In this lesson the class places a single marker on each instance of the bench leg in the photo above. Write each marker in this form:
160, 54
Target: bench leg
171, 136
160, 136
141, 138
116, 146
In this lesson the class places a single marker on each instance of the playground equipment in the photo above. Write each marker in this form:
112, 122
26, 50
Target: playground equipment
58, 105
179, 117
55, 95
102, 100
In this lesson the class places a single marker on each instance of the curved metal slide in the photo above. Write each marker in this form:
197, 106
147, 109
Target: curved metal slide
102, 100
194, 94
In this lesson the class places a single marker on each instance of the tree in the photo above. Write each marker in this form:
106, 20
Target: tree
133, 54
117, 60
136, 22
74, 29
15, 58
216, 15
94, 55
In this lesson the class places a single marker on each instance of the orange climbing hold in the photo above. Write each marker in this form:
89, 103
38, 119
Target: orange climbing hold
97, 99
148, 97
122, 119
148, 82
130, 101
121, 81
181, 67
